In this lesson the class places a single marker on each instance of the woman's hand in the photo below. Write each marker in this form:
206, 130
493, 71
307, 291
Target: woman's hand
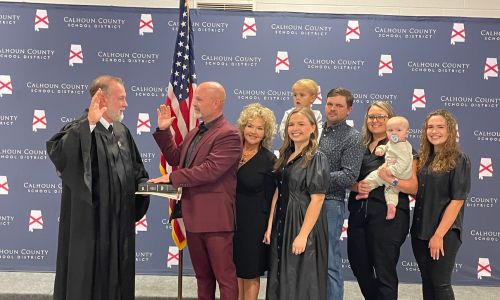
364, 187
267, 237
436, 246
385, 173
299, 244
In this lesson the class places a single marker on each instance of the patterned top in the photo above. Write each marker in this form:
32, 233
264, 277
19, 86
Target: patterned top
343, 146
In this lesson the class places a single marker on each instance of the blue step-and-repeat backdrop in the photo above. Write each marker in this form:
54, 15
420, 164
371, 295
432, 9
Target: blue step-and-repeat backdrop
50, 53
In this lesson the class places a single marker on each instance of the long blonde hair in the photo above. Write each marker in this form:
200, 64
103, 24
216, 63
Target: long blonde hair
308, 150
445, 160
385, 106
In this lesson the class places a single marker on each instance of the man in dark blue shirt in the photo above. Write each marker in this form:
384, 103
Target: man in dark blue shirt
343, 146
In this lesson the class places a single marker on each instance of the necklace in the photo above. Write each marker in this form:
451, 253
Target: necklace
247, 155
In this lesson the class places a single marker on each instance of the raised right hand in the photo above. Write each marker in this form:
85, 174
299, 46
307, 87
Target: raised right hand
165, 118
95, 112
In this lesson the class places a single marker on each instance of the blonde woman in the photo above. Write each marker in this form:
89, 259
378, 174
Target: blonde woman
444, 184
297, 229
374, 243
254, 191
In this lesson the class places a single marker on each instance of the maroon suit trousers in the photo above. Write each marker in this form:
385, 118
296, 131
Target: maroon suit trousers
212, 257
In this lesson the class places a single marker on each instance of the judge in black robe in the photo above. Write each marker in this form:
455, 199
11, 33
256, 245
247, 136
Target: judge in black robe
100, 168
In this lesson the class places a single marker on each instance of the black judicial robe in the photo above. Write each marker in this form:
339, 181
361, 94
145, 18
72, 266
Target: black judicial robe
100, 172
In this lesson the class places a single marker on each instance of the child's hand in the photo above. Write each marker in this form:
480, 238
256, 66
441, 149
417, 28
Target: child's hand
379, 152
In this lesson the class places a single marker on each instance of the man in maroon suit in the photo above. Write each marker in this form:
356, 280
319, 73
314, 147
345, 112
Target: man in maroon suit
207, 162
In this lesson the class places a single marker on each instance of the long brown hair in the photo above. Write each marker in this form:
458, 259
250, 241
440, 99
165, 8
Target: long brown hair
385, 106
308, 150
445, 160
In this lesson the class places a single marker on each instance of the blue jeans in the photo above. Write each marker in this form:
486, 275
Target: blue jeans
335, 215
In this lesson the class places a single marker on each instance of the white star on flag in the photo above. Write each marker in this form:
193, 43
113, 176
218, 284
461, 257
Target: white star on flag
179, 98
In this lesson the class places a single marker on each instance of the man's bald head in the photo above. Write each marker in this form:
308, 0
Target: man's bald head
215, 89
209, 99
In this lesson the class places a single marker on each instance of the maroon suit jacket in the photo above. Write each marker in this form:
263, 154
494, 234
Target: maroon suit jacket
209, 182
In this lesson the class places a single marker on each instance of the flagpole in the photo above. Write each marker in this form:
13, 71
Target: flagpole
179, 275
181, 79
181, 251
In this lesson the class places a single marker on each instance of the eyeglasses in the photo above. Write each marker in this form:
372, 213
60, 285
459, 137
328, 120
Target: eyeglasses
377, 117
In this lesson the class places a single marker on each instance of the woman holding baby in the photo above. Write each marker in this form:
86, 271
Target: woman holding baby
374, 242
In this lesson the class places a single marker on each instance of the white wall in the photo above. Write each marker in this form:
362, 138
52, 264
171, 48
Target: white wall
465, 8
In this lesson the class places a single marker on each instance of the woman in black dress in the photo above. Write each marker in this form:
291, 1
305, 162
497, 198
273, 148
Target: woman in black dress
254, 191
443, 186
297, 227
374, 243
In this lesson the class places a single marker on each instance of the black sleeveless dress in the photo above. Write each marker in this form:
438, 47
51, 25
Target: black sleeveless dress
254, 192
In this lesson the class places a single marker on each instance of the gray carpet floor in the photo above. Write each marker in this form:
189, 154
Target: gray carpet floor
37, 286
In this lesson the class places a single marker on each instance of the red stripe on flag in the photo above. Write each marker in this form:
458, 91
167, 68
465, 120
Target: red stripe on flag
179, 95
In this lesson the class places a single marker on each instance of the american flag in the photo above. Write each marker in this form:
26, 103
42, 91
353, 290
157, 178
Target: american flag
179, 98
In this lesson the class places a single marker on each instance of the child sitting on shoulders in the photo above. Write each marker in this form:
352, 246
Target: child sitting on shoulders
304, 92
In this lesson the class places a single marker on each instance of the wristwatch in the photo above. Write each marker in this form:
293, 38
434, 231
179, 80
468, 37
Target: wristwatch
394, 182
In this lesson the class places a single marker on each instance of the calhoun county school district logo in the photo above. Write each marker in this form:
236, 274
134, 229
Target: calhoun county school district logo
75, 54
249, 28
172, 256
490, 68
343, 233
4, 185
5, 85
352, 32
385, 65
143, 123
418, 100
282, 61
35, 221
41, 19
141, 225
483, 267
412, 202
457, 33
9, 19
319, 98
39, 120
146, 24
485, 168
8, 120
481, 201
